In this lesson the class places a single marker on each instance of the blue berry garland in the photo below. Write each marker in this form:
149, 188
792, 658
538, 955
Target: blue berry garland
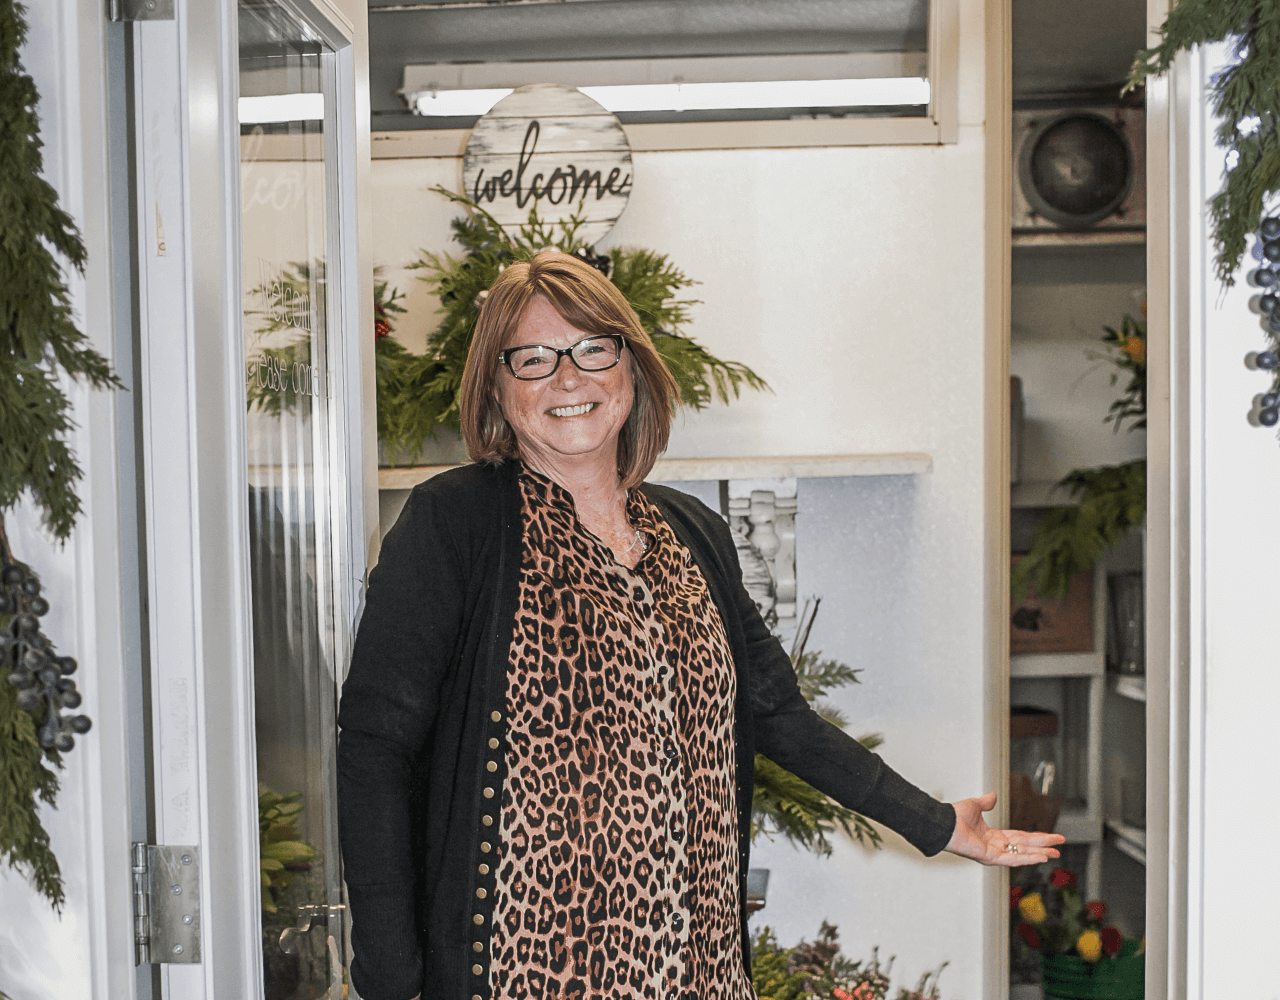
42, 678
1266, 276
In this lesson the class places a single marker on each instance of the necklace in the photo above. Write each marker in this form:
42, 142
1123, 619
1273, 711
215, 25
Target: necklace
644, 546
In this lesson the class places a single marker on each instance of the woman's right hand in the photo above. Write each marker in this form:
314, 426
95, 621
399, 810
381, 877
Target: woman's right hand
1009, 848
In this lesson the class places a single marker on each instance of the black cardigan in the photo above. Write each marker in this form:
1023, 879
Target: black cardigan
423, 711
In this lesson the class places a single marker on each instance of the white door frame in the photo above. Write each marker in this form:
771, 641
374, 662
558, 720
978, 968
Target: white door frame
192, 443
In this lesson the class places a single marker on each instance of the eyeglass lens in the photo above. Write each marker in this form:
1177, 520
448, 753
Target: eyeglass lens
537, 361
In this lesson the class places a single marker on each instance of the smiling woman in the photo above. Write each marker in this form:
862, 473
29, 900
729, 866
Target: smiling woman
560, 659
558, 303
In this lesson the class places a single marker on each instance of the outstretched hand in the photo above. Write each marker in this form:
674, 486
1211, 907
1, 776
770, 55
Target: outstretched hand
1012, 848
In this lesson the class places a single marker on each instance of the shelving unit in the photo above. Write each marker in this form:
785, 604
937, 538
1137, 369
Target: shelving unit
1065, 290
1081, 824
1128, 840
1129, 686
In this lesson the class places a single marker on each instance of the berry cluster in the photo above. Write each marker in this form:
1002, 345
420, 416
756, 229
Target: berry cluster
1267, 277
41, 677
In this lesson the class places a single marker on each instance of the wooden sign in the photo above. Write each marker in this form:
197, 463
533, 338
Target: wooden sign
551, 146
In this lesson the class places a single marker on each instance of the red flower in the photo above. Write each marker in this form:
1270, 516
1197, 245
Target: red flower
1015, 894
840, 994
1028, 934
1097, 910
1060, 878
1112, 939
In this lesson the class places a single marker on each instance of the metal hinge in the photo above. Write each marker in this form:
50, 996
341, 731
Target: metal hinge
140, 10
166, 904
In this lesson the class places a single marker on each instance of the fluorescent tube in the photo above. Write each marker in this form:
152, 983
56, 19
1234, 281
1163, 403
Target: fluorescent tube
755, 95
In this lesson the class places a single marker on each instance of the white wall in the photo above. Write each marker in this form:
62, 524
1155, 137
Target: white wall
1058, 352
851, 279
1234, 554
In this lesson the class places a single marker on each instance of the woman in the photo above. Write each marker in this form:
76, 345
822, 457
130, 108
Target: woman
558, 689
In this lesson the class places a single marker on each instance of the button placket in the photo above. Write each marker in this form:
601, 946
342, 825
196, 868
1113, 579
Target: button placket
480, 945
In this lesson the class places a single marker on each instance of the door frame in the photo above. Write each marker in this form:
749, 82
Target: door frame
191, 435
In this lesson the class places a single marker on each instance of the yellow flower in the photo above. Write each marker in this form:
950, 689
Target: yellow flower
1031, 906
1089, 944
1136, 348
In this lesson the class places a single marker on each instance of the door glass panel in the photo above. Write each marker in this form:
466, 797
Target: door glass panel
287, 220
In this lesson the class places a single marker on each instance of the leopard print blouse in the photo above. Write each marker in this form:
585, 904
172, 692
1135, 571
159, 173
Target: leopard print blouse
617, 870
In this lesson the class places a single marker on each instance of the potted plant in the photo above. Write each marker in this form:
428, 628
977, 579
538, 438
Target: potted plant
1110, 500
1080, 956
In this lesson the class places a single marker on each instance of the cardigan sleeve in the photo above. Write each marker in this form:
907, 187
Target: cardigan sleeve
412, 618
791, 734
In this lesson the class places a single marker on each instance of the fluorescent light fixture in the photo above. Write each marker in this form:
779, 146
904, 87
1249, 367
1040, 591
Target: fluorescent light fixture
754, 95
281, 108
762, 94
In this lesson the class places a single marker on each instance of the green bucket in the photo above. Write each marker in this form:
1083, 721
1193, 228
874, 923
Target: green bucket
1072, 978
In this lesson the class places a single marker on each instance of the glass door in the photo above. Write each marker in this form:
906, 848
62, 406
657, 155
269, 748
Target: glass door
296, 470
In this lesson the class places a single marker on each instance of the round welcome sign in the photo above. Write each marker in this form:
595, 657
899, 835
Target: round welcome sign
551, 147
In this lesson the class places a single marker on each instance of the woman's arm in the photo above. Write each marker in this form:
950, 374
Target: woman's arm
406, 639
791, 734
794, 736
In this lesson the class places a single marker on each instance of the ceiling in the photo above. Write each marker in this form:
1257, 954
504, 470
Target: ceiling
1061, 48
1074, 48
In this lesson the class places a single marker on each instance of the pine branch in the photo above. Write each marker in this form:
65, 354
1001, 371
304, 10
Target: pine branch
26, 777
40, 348
786, 805
418, 394
1246, 101
38, 336
1069, 540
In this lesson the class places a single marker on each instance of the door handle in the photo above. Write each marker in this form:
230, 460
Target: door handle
309, 915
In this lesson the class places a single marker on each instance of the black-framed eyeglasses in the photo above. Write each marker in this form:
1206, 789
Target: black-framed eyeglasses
535, 361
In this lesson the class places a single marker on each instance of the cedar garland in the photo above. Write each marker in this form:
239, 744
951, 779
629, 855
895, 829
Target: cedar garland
40, 349
1247, 102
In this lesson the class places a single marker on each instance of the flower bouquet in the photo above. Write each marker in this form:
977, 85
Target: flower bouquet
1081, 957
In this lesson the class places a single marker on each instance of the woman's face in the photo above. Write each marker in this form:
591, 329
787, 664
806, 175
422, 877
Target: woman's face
572, 416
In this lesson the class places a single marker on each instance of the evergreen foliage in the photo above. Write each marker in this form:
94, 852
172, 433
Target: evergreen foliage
1069, 540
1246, 100
418, 394
40, 347
25, 777
1112, 499
40, 339
786, 805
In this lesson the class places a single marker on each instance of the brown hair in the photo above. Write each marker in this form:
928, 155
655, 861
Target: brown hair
589, 301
